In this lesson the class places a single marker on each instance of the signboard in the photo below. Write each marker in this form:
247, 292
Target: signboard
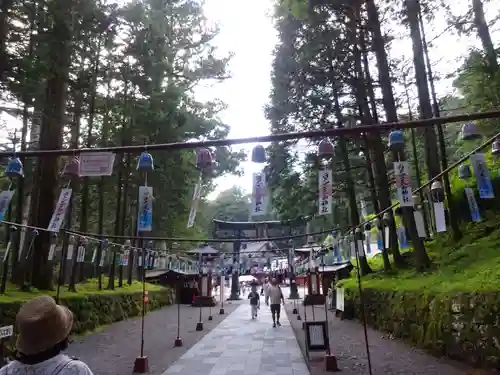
94, 164
316, 338
6, 331
194, 203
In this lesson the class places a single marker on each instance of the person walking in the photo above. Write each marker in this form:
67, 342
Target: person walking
44, 328
254, 298
275, 295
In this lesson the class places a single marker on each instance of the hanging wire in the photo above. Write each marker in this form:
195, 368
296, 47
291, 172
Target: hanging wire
331, 132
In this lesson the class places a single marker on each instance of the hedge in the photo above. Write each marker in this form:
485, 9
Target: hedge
464, 326
94, 310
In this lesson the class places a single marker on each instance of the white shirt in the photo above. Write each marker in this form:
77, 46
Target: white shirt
274, 294
58, 365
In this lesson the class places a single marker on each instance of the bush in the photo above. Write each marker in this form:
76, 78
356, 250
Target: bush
94, 310
463, 326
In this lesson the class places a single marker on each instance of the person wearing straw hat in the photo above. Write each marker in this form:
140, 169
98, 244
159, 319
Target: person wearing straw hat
44, 328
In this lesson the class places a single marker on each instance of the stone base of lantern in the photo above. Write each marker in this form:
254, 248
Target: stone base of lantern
203, 301
314, 300
331, 363
141, 365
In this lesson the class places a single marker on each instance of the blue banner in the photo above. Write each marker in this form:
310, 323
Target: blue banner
471, 200
145, 212
403, 243
482, 175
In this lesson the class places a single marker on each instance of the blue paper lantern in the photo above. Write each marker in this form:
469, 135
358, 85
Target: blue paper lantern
14, 168
145, 162
470, 131
325, 149
495, 147
396, 140
259, 154
464, 172
368, 227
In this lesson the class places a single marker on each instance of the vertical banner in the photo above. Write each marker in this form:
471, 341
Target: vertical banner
5, 198
361, 248
80, 255
194, 203
52, 251
259, 203
60, 211
69, 255
103, 257
482, 175
126, 256
364, 211
145, 214
439, 217
403, 183
387, 237
325, 192
471, 200
419, 222
368, 242
380, 240
403, 243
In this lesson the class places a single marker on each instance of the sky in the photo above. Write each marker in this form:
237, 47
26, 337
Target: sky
247, 31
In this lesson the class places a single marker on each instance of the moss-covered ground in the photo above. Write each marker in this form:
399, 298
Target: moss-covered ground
90, 287
470, 265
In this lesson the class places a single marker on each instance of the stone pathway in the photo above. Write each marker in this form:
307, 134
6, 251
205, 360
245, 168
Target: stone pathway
241, 346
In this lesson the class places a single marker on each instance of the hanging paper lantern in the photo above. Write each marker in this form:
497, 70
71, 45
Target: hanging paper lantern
259, 154
204, 160
396, 140
437, 192
145, 162
127, 243
464, 172
325, 149
14, 168
387, 217
72, 167
470, 131
368, 227
495, 147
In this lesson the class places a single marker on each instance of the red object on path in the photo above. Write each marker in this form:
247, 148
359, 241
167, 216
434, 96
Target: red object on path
141, 365
146, 297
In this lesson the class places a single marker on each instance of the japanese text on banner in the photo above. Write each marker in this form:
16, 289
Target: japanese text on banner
93, 164
5, 198
325, 192
194, 204
259, 194
145, 214
403, 183
482, 175
60, 211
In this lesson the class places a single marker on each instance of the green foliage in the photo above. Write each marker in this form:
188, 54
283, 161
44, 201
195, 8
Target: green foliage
93, 309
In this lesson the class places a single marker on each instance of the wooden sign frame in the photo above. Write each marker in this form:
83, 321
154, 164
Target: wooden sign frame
312, 346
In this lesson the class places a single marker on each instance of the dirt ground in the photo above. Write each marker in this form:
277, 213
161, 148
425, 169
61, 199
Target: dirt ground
113, 350
388, 356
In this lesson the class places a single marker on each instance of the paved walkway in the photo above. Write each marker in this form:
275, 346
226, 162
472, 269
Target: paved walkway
240, 346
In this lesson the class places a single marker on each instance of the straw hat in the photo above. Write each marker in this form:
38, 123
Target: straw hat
42, 324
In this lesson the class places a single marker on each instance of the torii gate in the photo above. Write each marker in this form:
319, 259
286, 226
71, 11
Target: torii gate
241, 230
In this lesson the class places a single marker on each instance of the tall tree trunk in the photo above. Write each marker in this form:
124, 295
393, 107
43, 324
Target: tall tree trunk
392, 116
483, 32
5, 6
60, 49
424, 99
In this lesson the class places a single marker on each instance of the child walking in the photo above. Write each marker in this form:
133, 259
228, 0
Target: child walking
254, 298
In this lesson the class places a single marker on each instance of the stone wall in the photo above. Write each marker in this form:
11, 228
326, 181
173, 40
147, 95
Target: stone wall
465, 327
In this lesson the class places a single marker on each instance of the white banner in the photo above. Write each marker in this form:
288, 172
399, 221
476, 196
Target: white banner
419, 222
339, 305
52, 251
69, 252
60, 211
194, 204
403, 183
145, 212
93, 164
5, 198
259, 201
325, 192
80, 255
